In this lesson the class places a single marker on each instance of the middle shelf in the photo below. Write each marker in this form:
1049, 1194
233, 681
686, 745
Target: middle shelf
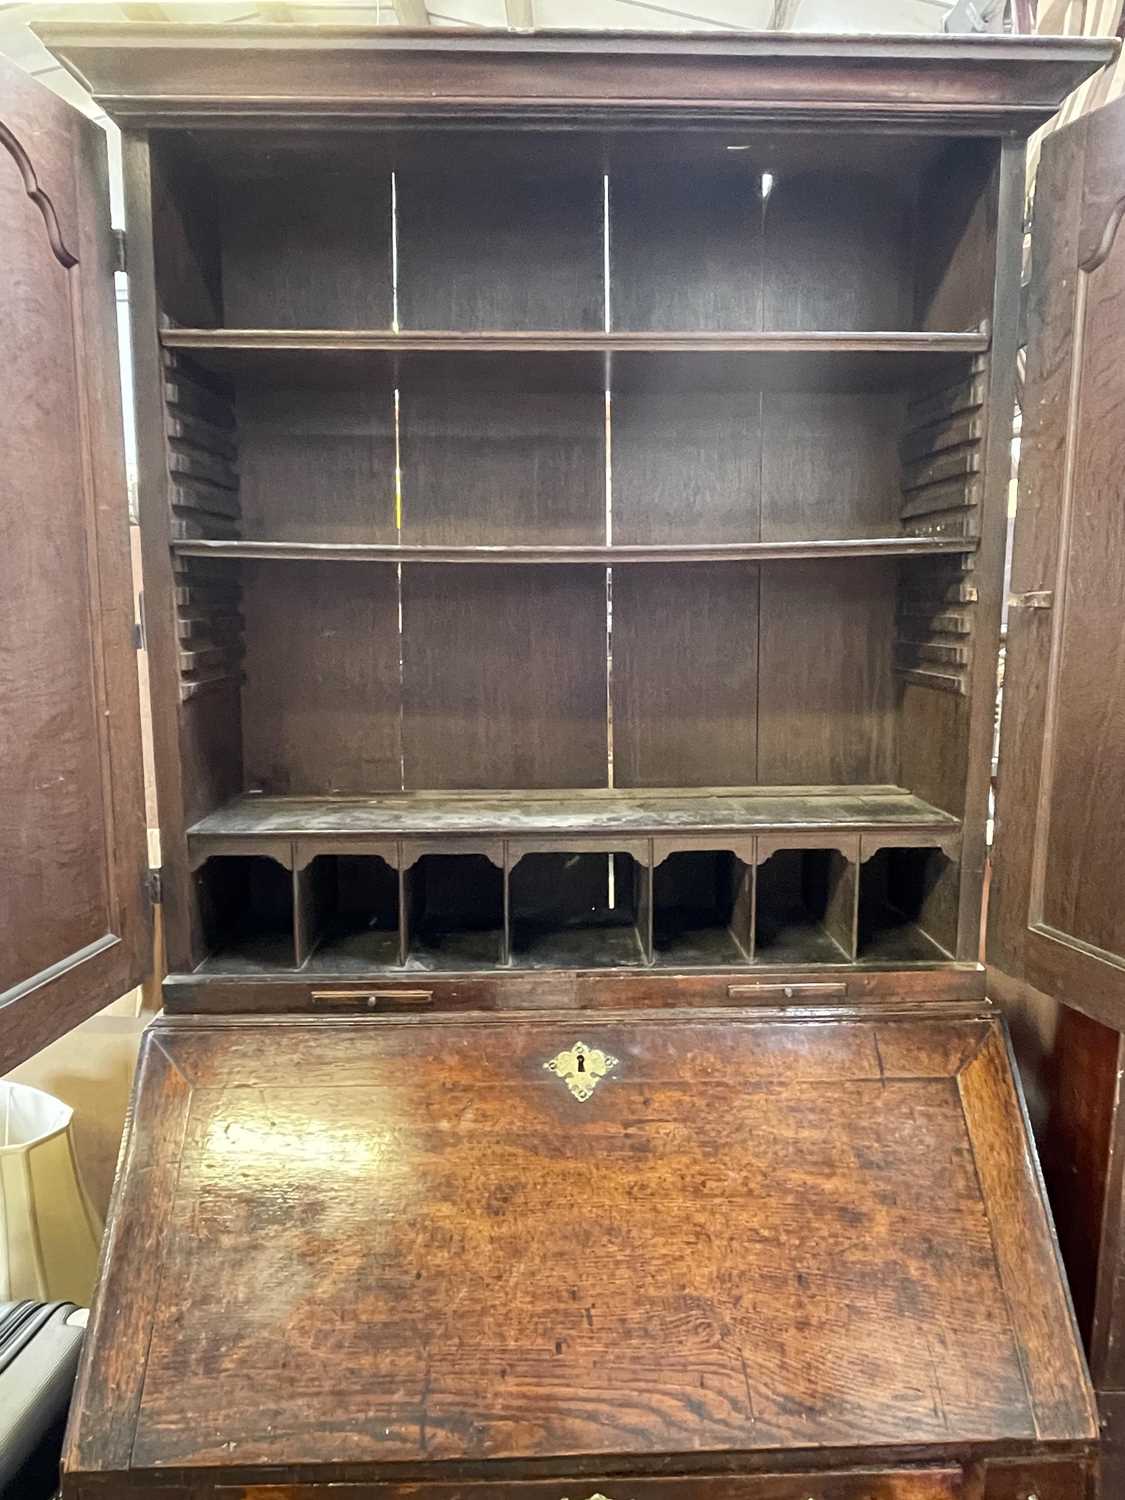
606, 556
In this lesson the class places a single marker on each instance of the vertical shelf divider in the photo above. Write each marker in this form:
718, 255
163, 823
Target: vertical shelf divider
506, 937
304, 916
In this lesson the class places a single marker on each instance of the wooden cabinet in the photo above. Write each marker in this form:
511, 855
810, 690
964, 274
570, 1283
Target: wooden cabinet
573, 475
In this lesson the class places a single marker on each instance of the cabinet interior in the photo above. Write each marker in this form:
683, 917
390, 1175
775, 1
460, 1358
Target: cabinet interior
610, 462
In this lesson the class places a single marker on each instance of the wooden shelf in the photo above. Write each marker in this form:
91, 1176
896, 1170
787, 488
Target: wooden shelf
853, 809
626, 360
772, 878
882, 546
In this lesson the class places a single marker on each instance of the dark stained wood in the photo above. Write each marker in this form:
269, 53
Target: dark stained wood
1107, 1362
196, 739
687, 1170
729, 441
955, 83
950, 987
488, 468
308, 246
317, 465
685, 245
503, 683
686, 467
1084, 778
835, 254
684, 676
1054, 922
881, 546
387, 1251
464, 233
907, 904
995, 460
829, 466
72, 842
933, 745
805, 904
1112, 1453
225, 349
955, 217
184, 235
829, 632
1069, 1068
337, 636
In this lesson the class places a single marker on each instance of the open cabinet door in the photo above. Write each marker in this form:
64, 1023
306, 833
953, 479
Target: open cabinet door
74, 921
1057, 904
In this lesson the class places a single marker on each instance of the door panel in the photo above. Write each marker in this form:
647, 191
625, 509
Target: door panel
1057, 914
73, 912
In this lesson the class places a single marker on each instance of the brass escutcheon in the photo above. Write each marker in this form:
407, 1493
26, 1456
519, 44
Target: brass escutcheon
581, 1068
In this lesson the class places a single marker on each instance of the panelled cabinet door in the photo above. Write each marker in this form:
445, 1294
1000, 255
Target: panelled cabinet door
74, 925
1057, 904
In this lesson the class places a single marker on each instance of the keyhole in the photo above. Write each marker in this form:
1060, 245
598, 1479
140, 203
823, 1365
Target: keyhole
581, 1063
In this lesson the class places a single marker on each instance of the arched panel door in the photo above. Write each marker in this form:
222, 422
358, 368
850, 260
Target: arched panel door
74, 917
1057, 909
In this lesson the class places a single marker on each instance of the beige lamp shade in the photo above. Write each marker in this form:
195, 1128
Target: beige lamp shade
49, 1232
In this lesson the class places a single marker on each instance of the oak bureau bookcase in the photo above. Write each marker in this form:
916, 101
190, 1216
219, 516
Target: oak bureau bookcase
574, 475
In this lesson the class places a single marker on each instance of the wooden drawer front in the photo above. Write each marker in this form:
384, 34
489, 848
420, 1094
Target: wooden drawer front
566, 991
1068, 1479
855, 1484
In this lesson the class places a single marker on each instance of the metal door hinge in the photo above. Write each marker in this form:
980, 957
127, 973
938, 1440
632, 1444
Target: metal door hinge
154, 886
1036, 599
118, 236
140, 635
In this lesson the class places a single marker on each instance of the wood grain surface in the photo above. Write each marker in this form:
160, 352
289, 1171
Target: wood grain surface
756, 1237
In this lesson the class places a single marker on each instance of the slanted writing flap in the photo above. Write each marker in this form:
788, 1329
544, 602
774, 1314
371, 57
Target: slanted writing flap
73, 909
389, 1249
1057, 918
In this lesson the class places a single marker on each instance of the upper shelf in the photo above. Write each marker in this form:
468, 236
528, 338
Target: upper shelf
848, 809
317, 356
981, 84
612, 556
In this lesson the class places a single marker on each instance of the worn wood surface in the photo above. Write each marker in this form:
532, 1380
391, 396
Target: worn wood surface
72, 850
704, 810
549, 1282
554, 905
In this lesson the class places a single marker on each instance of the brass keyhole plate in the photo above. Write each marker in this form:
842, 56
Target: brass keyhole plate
581, 1068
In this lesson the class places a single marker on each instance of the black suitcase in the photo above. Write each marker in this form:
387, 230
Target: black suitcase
39, 1347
